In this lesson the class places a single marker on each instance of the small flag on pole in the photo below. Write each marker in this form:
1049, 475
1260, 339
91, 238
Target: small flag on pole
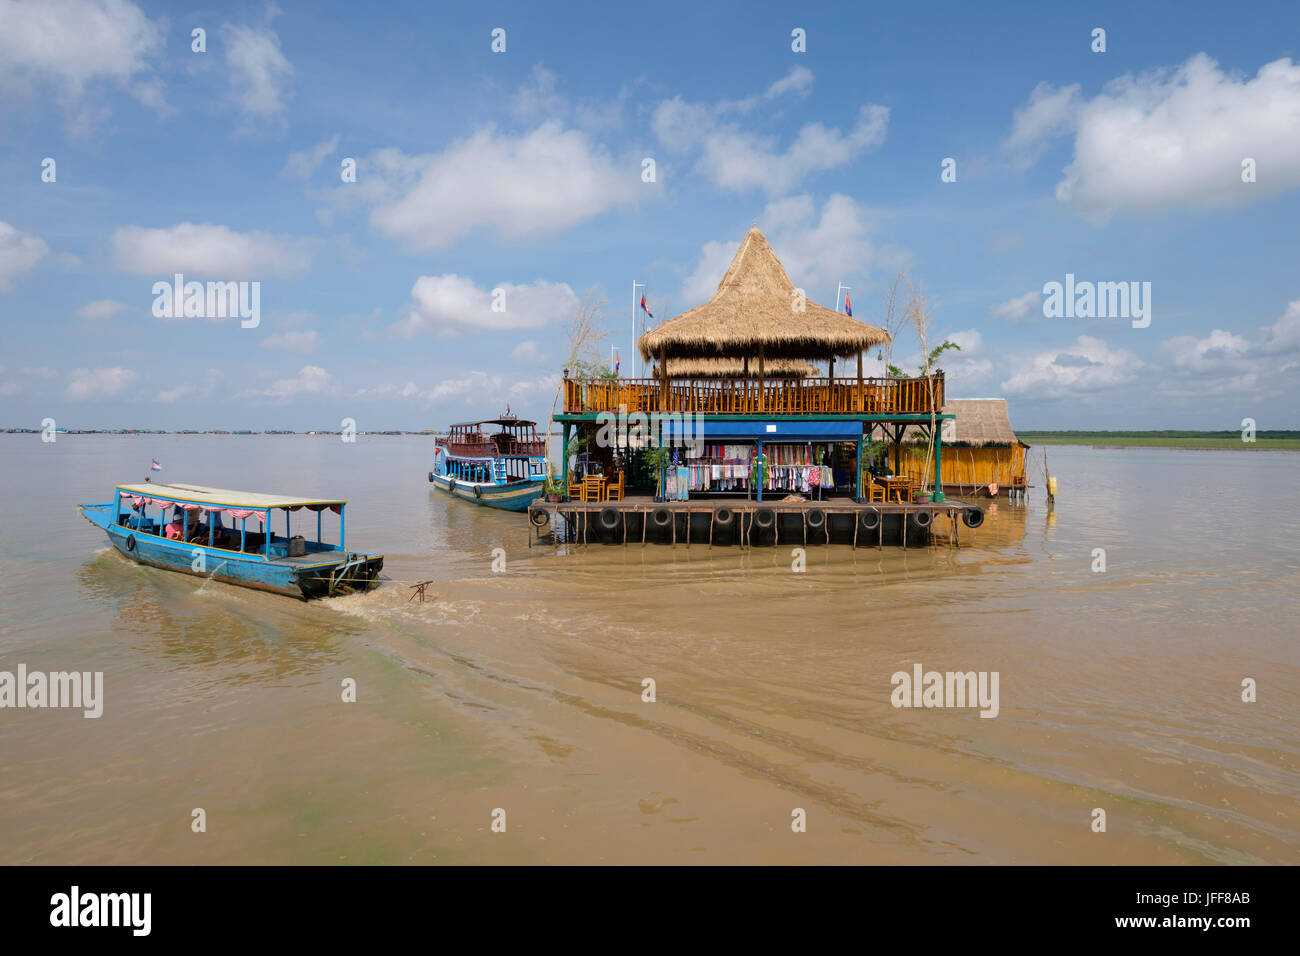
154, 466
848, 306
645, 308
617, 360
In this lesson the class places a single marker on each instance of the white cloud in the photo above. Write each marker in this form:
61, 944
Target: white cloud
1017, 308
817, 251
304, 163
700, 285
1172, 138
207, 250
1283, 336
171, 395
450, 303
735, 158
543, 181
538, 96
1050, 112
19, 253
10, 388
526, 353
304, 342
259, 71
1210, 353
1226, 363
74, 44
310, 380
100, 309
680, 125
468, 388
87, 383
1087, 366
409, 390
969, 341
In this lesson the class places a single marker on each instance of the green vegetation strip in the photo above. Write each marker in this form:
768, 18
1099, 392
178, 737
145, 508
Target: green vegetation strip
1273, 440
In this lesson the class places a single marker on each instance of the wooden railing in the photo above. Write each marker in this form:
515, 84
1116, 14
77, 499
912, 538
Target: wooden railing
810, 396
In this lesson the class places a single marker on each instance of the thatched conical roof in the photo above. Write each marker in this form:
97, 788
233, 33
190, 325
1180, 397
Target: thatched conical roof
735, 368
979, 422
754, 306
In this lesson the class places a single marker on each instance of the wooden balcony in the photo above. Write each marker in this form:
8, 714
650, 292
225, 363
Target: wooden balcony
810, 396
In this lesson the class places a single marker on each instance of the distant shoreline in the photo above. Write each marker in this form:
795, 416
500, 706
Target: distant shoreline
1274, 440
318, 432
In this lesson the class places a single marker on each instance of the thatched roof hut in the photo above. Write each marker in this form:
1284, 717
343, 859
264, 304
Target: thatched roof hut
979, 423
752, 314
735, 368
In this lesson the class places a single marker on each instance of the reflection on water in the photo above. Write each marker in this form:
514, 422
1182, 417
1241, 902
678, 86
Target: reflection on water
523, 689
231, 634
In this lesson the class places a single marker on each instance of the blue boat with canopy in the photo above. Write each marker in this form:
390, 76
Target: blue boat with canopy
506, 469
229, 536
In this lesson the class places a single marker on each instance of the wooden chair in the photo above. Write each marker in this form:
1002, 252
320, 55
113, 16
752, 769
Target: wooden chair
575, 491
614, 490
593, 487
875, 492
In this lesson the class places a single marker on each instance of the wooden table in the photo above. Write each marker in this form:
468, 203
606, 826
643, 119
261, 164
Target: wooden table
896, 486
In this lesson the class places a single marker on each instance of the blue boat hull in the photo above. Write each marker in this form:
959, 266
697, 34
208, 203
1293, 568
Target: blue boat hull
318, 575
515, 496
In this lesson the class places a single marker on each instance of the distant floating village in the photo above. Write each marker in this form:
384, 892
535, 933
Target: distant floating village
209, 431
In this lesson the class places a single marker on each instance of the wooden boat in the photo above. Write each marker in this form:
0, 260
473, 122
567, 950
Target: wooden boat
505, 469
198, 540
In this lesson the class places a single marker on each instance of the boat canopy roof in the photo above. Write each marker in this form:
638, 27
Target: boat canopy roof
224, 497
494, 421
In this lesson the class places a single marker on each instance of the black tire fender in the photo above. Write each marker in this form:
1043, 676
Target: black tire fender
540, 518
869, 519
130, 542
662, 517
764, 518
451, 485
922, 518
478, 491
972, 517
608, 518
724, 516
816, 518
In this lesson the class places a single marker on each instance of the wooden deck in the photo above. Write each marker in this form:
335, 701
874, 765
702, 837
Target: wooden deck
840, 396
794, 522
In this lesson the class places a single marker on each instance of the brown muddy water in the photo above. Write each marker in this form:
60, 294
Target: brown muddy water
521, 690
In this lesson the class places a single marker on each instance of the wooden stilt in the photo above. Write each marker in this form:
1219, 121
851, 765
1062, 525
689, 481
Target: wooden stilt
712, 514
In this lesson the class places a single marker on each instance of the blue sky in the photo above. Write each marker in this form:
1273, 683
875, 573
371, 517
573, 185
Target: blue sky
522, 171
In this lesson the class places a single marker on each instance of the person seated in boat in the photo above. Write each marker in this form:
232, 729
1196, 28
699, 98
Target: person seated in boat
198, 530
135, 520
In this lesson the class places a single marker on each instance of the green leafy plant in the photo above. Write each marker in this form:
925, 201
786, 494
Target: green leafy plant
930, 366
656, 459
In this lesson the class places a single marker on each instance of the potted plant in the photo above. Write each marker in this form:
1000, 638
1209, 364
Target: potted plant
554, 489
